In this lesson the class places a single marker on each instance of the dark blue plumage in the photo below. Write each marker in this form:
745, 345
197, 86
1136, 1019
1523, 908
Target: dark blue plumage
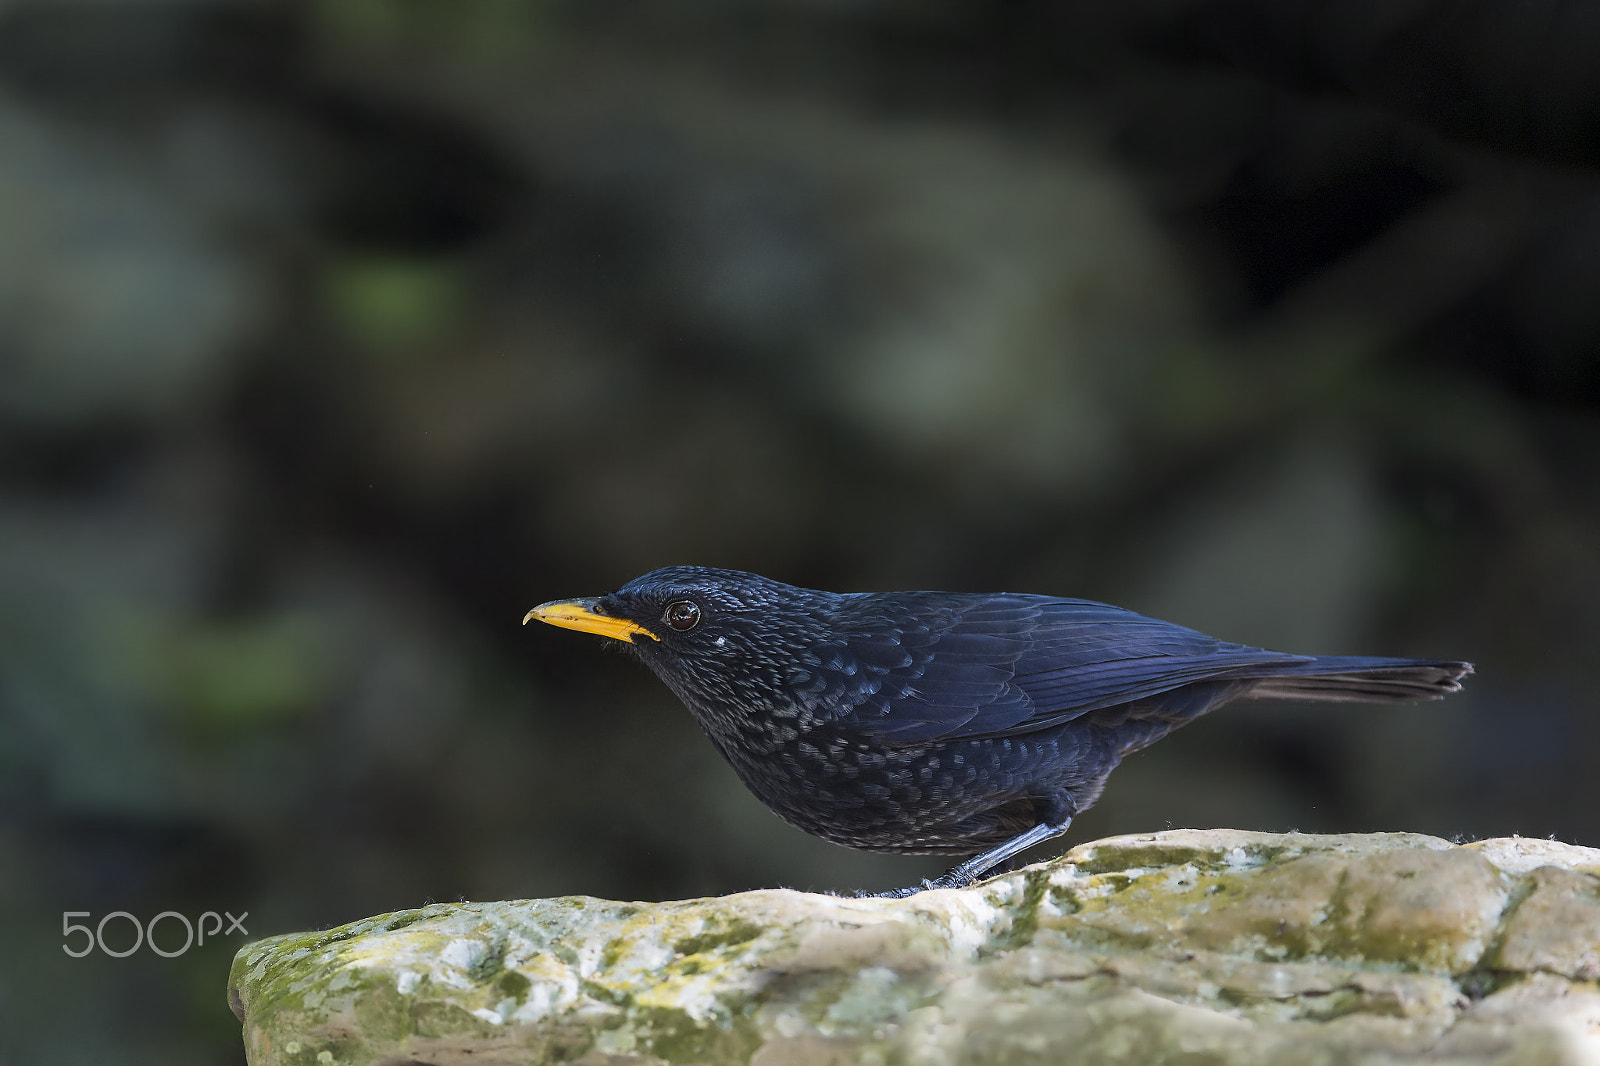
936, 722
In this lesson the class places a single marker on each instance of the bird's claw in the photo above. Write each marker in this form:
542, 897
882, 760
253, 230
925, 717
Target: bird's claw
888, 893
912, 890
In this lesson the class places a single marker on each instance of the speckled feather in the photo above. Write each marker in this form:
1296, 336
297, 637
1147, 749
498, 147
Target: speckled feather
945, 723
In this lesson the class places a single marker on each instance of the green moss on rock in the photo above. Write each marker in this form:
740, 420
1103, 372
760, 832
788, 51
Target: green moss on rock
1188, 947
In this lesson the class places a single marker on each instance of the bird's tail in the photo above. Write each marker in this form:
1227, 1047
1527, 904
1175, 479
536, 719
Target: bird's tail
1359, 679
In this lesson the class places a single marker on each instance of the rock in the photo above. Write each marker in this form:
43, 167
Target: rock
1196, 947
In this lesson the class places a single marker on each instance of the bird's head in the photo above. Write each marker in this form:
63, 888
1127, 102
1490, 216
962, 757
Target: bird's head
716, 637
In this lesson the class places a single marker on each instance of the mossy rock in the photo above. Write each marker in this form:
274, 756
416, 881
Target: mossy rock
1181, 947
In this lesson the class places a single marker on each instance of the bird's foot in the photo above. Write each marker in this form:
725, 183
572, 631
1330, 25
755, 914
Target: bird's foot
996, 858
945, 881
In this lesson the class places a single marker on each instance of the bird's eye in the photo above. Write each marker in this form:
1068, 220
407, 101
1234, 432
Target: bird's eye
682, 615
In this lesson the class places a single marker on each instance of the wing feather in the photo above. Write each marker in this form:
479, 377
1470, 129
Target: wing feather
982, 666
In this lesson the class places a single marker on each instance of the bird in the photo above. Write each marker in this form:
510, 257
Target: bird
973, 725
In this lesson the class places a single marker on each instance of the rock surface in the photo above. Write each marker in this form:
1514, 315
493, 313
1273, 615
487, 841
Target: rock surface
1185, 947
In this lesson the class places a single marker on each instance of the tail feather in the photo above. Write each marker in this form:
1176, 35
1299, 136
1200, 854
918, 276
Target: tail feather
1345, 679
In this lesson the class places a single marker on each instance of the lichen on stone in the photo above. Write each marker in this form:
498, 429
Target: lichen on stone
1221, 947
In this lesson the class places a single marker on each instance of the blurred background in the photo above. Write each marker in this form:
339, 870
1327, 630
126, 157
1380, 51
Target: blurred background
336, 334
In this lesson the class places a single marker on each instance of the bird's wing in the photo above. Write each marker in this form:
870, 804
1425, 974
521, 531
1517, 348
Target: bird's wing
941, 667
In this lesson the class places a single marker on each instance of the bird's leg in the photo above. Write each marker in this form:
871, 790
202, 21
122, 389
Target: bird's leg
982, 863
975, 867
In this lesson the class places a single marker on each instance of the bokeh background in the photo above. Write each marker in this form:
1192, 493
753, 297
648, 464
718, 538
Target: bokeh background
336, 334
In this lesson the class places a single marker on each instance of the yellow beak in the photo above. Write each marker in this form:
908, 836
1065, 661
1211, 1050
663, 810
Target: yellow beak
583, 615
